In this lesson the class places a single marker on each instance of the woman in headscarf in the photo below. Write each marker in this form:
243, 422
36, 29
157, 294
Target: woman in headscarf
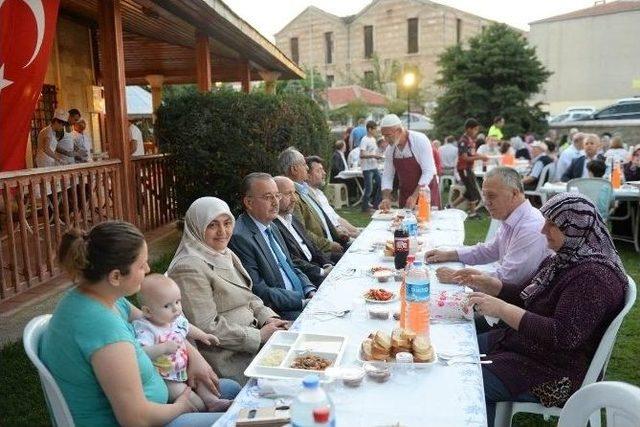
216, 290
551, 326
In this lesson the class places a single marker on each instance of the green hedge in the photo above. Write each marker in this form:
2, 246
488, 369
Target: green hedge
219, 137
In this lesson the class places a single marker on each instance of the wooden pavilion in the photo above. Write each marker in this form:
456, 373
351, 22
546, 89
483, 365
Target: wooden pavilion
129, 42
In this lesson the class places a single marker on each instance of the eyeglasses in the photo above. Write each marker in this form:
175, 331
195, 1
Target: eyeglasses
269, 197
287, 194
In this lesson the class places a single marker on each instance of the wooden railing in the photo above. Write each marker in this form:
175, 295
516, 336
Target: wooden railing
38, 205
155, 191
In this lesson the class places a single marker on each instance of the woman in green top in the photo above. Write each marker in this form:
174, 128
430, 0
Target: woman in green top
90, 346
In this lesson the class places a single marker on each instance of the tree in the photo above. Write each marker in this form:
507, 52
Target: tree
496, 75
305, 86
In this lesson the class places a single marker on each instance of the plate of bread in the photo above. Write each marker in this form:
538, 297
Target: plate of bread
382, 347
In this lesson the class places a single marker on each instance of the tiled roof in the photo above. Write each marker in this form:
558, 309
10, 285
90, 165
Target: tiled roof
601, 9
340, 96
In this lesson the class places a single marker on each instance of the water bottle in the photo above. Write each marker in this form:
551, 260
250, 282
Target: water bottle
403, 293
418, 293
410, 223
311, 404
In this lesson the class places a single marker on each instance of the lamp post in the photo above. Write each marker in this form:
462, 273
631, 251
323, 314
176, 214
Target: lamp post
408, 80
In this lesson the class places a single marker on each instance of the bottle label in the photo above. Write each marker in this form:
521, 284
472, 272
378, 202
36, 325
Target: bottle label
418, 292
401, 244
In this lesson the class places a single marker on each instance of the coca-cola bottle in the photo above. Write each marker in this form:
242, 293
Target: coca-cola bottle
400, 248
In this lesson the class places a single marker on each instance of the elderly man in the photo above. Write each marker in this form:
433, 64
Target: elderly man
569, 154
410, 156
315, 179
82, 144
591, 151
308, 210
518, 245
539, 161
305, 254
263, 252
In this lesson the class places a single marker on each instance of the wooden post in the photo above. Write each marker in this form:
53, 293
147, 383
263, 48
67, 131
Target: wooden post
245, 76
203, 62
155, 81
270, 78
117, 125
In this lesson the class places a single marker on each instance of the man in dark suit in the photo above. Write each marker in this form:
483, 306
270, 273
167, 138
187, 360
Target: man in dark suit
304, 252
578, 167
263, 252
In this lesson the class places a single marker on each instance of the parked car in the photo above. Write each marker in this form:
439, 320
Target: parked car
587, 110
619, 111
628, 100
568, 117
417, 122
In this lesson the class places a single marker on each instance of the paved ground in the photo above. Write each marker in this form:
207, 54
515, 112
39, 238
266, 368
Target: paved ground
12, 324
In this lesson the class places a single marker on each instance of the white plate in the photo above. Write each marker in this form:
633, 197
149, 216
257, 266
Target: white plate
635, 184
330, 347
384, 216
375, 301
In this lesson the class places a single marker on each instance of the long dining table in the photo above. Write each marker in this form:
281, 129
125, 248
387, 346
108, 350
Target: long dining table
434, 395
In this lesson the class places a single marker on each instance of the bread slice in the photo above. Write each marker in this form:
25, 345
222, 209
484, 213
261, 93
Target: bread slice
383, 340
367, 351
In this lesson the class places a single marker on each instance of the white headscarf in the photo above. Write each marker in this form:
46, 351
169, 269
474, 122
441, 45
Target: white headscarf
197, 219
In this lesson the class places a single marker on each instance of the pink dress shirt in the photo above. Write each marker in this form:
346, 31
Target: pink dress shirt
519, 247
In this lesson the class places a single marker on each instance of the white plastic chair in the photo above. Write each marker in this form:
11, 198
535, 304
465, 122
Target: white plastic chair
545, 175
598, 190
506, 410
58, 409
337, 194
620, 400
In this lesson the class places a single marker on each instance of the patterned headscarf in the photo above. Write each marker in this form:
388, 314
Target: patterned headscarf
586, 237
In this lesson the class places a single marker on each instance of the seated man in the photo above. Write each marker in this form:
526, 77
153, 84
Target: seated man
518, 246
306, 256
263, 252
578, 167
316, 179
321, 230
539, 161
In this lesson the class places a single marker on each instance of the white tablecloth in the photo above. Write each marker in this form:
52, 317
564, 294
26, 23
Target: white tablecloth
355, 173
622, 193
438, 395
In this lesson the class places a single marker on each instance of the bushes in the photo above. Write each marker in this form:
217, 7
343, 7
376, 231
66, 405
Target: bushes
217, 138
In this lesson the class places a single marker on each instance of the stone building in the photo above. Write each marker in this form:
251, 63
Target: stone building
411, 32
593, 53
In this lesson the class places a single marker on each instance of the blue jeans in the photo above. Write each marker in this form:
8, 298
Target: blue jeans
229, 389
494, 388
371, 189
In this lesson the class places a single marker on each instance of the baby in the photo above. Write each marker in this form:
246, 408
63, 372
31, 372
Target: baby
163, 332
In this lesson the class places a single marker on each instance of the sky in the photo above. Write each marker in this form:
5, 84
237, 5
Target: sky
269, 16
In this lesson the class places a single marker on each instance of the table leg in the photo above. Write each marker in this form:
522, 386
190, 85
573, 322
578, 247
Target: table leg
360, 190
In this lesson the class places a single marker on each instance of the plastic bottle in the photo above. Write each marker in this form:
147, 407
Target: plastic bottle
400, 248
424, 204
418, 293
616, 175
403, 293
311, 398
410, 223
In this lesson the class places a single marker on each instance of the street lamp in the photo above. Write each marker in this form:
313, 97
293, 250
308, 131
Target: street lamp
408, 81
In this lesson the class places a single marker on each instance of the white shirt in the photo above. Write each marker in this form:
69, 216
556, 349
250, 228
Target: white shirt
136, 135
82, 140
422, 151
368, 145
287, 221
354, 157
448, 155
566, 157
263, 231
326, 206
619, 154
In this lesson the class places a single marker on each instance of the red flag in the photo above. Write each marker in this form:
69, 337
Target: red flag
27, 29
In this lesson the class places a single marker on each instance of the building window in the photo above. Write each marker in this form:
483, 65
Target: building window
368, 41
42, 115
330, 79
368, 80
295, 54
458, 30
328, 47
412, 35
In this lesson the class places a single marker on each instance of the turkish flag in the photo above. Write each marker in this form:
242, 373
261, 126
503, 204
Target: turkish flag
27, 29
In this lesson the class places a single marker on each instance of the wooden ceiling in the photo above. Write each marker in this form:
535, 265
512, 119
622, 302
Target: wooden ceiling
159, 38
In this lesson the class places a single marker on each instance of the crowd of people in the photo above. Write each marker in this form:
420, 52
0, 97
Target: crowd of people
67, 141
233, 282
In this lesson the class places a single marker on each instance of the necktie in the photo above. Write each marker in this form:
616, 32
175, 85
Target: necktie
284, 263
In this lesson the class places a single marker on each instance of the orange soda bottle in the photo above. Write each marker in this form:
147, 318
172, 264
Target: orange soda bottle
418, 295
616, 175
424, 205
403, 293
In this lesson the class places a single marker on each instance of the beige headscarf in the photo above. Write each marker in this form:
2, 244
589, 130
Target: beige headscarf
197, 219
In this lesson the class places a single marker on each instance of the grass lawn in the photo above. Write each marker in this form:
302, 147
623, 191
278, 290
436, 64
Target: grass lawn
22, 402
